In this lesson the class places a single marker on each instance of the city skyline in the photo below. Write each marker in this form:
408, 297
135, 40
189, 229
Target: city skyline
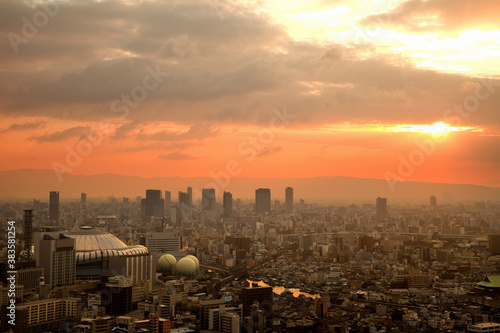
408, 88
238, 166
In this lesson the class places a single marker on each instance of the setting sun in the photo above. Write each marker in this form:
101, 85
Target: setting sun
437, 129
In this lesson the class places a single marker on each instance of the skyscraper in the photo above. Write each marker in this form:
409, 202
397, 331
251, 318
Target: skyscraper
433, 201
208, 199
83, 203
183, 210
153, 204
54, 208
190, 196
289, 200
183, 198
227, 203
262, 200
168, 202
381, 207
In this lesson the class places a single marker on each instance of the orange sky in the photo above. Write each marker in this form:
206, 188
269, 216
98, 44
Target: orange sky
403, 90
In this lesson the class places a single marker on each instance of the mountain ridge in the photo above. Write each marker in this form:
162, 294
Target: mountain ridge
37, 183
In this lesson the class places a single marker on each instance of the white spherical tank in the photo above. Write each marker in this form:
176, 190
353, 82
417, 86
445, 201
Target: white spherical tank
196, 261
186, 266
167, 264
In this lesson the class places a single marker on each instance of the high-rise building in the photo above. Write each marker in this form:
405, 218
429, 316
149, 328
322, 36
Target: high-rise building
289, 200
83, 203
263, 296
433, 201
227, 204
190, 196
183, 198
168, 202
381, 207
208, 199
58, 258
54, 208
153, 204
182, 213
262, 200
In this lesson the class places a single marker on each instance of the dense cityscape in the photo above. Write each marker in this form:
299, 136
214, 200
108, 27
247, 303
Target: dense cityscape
164, 264
249, 166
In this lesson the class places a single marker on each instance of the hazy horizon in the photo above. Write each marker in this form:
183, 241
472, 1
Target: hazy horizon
318, 189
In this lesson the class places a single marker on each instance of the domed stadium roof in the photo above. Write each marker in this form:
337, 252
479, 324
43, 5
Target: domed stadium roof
166, 263
186, 266
92, 245
196, 261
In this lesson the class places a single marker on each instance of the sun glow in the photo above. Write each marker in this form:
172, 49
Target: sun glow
438, 129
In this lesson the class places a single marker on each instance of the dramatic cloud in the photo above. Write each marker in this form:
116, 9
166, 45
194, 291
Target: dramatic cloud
183, 80
28, 125
445, 16
62, 135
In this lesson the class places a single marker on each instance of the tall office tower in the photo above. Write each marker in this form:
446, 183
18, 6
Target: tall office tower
381, 207
494, 243
289, 200
183, 198
227, 204
190, 196
54, 208
208, 199
27, 253
168, 202
433, 201
58, 259
183, 211
262, 200
83, 203
261, 295
153, 204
